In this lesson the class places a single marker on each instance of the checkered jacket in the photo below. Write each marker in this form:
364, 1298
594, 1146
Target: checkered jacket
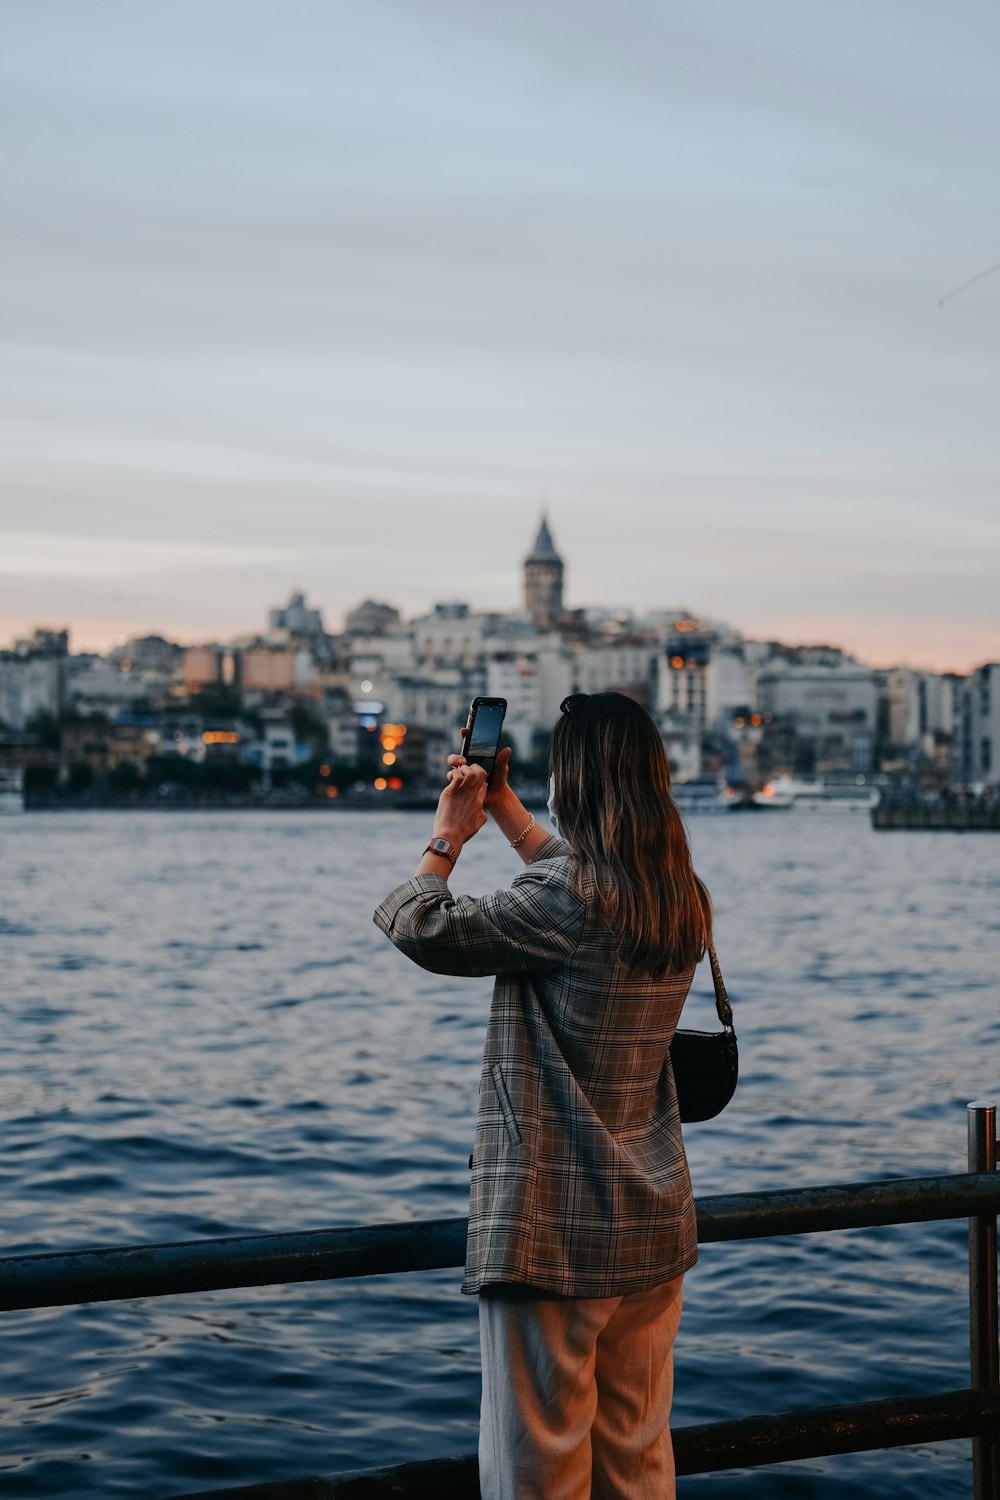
580, 1184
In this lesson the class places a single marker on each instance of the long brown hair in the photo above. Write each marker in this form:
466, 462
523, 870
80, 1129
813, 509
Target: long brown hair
615, 810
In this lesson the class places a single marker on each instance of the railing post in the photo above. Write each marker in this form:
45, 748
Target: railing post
983, 1329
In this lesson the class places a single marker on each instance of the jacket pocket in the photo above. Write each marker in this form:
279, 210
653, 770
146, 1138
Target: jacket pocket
506, 1108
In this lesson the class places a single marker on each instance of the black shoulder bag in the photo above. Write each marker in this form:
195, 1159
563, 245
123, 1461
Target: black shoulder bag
706, 1063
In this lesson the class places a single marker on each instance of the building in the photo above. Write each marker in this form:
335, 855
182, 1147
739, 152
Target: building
152, 654
372, 618
450, 636
977, 762
516, 676
204, 669
916, 718
543, 580
296, 621
266, 670
682, 679
620, 664
832, 704
32, 684
98, 685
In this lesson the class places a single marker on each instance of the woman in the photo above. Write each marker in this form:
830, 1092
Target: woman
582, 1220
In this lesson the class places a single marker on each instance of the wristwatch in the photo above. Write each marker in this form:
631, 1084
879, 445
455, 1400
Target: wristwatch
442, 846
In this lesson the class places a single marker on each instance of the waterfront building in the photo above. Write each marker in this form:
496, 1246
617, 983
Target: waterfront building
916, 718
544, 574
727, 685
899, 708
682, 741
22, 751
682, 679
32, 684
205, 740
98, 685
277, 742
85, 742
341, 725
831, 702
701, 671
134, 740
977, 740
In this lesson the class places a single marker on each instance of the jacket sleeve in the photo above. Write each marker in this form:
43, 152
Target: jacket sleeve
550, 848
535, 924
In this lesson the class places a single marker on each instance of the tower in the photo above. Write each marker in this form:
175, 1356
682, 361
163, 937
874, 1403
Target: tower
543, 580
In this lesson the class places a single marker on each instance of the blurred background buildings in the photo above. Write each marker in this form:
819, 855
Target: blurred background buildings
298, 711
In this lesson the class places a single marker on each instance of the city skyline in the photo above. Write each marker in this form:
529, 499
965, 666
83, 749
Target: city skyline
344, 306
334, 623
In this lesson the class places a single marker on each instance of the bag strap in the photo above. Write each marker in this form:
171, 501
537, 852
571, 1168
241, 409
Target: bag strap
722, 1004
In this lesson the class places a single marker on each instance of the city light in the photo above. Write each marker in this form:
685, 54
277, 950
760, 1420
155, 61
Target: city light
394, 783
380, 783
677, 661
389, 759
220, 737
324, 770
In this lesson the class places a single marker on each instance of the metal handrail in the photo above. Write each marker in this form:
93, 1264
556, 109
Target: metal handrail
115, 1273
61, 1278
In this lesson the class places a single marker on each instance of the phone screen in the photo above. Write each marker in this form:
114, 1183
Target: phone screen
483, 739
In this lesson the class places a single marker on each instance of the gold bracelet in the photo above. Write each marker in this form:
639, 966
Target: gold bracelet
522, 836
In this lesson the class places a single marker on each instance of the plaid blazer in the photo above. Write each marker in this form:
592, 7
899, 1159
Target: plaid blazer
580, 1183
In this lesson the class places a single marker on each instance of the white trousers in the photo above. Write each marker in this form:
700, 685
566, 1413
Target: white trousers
576, 1395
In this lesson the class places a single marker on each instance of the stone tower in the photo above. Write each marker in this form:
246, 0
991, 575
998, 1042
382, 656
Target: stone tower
543, 580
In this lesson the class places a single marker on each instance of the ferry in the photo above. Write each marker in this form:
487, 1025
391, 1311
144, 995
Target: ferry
785, 791
701, 794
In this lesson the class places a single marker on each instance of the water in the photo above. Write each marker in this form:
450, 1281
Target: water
205, 1034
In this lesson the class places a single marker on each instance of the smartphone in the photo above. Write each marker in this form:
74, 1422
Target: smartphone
482, 740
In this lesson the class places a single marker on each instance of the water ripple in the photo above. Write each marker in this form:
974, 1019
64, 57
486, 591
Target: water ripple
171, 1071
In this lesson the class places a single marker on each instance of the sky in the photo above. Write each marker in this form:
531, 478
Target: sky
340, 296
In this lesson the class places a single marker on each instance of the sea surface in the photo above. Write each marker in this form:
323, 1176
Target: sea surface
204, 1034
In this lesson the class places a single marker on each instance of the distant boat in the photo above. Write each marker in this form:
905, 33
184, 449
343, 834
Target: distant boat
785, 791
11, 791
701, 794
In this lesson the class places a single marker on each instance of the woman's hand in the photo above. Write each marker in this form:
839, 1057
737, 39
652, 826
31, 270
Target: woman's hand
460, 815
503, 804
498, 783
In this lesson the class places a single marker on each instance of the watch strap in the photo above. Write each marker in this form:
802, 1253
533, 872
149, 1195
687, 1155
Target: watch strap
444, 848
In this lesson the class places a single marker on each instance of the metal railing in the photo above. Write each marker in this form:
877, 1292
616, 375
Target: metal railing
107, 1275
